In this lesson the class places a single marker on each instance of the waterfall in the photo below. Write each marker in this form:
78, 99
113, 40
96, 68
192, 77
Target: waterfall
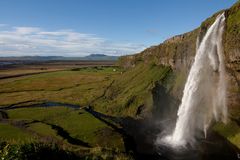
204, 95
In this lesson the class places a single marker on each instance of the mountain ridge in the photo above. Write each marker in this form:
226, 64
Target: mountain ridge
93, 57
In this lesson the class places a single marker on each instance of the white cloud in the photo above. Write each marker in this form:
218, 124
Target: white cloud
3, 25
19, 41
26, 30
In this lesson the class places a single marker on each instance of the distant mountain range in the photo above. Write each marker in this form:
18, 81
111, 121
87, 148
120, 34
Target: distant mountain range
91, 57
99, 57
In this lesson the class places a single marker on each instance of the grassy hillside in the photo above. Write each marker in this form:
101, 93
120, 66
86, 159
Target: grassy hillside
142, 86
178, 53
130, 92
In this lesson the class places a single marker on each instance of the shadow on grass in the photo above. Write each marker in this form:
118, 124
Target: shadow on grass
64, 134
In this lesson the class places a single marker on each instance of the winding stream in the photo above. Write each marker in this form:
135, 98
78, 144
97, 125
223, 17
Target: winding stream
139, 137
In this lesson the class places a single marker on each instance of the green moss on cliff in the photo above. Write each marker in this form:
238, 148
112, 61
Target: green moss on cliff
232, 34
231, 131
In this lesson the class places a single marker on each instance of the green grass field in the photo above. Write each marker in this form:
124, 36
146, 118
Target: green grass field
108, 90
75, 87
14, 134
78, 123
79, 86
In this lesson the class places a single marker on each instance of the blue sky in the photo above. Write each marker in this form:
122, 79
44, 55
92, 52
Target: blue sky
82, 27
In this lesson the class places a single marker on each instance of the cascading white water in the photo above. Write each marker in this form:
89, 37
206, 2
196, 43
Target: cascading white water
204, 95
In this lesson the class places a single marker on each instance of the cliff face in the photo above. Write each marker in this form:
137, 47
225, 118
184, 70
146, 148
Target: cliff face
151, 83
232, 53
178, 52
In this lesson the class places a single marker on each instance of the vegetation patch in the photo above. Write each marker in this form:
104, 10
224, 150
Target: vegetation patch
78, 124
11, 133
231, 131
131, 90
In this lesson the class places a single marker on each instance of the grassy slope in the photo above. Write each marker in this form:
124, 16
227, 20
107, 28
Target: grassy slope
131, 90
231, 131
